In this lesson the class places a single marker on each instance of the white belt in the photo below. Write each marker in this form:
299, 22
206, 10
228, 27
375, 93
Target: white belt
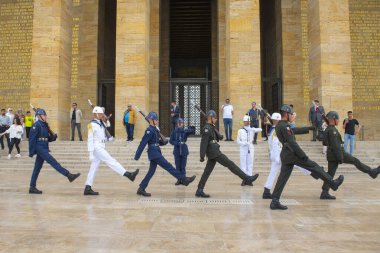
101, 140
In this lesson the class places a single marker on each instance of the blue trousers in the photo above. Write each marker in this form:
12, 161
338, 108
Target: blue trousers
152, 169
228, 128
352, 142
180, 163
41, 157
129, 128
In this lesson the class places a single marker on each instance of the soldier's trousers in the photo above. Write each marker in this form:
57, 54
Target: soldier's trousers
180, 163
41, 157
223, 160
286, 169
347, 158
152, 169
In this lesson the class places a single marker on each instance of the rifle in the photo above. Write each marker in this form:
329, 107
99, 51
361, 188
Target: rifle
269, 117
163, 139
53, 136
220, 136
108, 135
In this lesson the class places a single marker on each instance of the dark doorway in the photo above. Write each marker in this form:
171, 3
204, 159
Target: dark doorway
186, 51
107, 57
271, 54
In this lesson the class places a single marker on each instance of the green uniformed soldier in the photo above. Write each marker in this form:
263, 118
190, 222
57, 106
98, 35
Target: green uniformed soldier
336, 154
210, 147
292, 154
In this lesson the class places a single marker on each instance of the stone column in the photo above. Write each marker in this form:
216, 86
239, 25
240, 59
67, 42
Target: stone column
51, 58
330, 54
132, 61
242, 57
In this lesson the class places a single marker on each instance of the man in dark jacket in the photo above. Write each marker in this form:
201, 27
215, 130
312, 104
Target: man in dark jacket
336, 154
316, 113
292, 154
210, 147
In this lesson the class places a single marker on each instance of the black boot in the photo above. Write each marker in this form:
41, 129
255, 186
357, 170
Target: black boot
89, 191
201, 194
374, 172
243, 183
131, 175
72, 177
178, 182
142, 192
267, 194
34, 190
187, 180
276, 205
337, 182
326, 195
249, 180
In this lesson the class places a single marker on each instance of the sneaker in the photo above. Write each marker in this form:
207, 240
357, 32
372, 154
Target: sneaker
9, 156
18, 155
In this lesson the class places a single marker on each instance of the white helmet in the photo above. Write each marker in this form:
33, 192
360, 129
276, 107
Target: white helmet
276, 116
97, 109
246, 118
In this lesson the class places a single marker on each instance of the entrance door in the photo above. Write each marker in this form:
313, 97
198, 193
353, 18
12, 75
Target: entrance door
189, 92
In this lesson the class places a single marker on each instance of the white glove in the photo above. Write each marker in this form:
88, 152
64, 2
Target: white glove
111, 139
91, 156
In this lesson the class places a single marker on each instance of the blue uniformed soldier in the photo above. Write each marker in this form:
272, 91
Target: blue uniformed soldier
292, 154
178, 139
151, 138
210, 147
336, 154
39, 138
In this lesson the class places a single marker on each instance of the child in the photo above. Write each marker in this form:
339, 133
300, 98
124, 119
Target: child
178, 139
28, 123
15, 133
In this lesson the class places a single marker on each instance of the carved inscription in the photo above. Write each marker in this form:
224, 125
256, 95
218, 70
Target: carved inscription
365, 46
16, 32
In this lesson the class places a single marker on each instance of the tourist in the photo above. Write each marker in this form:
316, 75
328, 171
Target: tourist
228, 112
75, 117
316, 113
15, 133
349, 125
129, 121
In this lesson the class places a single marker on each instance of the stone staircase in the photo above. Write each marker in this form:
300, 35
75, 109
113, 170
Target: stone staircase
74, 156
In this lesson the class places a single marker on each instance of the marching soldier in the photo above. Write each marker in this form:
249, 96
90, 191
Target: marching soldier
210, 147
96, 146
178, 139
292, 154
39, 139
336, 154
275, 148
151, 138
245, 140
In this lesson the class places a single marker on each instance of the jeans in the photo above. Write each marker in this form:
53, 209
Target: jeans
78, 126
129, 128
228, 128
352, 142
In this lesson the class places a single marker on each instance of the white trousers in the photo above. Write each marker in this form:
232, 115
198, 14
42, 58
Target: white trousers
101, 154
246, 159
275, 169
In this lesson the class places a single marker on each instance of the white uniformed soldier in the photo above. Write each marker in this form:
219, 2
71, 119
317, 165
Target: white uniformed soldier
96, 146
245, 140
275, 148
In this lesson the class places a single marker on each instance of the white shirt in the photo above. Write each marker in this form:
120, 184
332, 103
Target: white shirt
246, 135
11, 116
15, 131
96, 136
227, 111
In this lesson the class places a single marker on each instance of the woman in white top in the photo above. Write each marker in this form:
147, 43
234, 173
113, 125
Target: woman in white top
15, 133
